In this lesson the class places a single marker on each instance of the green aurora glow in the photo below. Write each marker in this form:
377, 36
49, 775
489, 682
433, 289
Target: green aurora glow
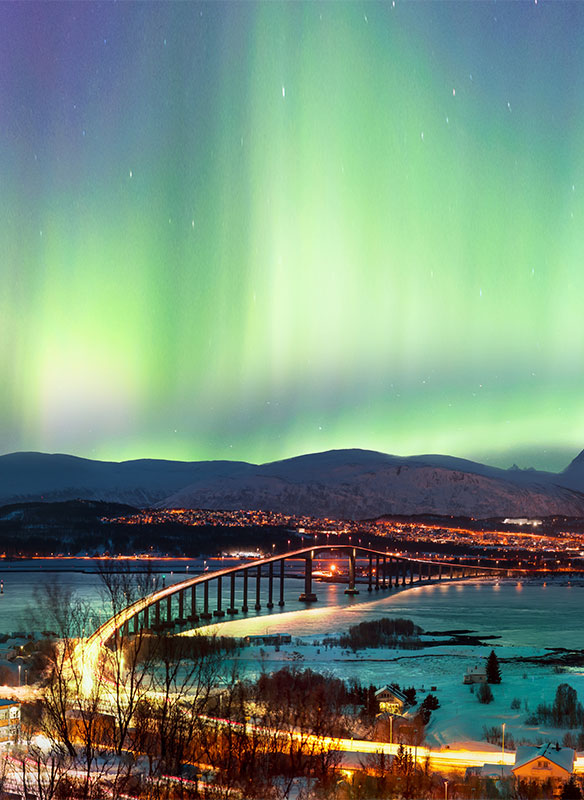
254, 230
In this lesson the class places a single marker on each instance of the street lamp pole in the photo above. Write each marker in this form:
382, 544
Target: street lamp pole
503, 745
445, 790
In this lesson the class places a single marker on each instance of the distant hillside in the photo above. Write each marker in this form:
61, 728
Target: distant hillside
352, 484
86, 527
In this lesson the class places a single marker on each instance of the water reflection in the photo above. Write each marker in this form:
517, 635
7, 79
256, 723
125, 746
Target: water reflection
520, 612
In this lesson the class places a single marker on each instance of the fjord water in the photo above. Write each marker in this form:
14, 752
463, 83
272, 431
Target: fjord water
527, 613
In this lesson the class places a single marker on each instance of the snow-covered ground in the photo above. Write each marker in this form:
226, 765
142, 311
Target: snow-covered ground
527, 617
460, 718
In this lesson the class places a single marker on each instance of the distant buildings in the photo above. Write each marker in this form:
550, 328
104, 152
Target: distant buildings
267, 639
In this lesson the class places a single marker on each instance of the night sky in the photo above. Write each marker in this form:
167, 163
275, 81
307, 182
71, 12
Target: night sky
253, 230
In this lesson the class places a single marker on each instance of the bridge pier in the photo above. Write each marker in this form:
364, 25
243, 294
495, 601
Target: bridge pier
157, 613
218, 611
270, 603
440, 572
351, 588
206, 615
370, 582
282, 566
193, 617
169, 610
244, 607
376, 573
258, 605
308, 595
232, 610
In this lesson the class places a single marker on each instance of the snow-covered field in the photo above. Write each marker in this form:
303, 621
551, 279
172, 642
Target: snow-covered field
460, 718
529, 618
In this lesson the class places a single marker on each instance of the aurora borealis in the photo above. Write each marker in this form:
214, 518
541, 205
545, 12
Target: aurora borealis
253, 230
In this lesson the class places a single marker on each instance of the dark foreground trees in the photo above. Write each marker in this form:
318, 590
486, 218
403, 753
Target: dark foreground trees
493, 669
158, 716
565, 712
484, 694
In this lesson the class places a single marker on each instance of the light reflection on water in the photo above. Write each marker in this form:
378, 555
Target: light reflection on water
521, 613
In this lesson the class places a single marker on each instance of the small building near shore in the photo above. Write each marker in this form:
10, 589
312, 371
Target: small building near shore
391, 700
9, 720
267, 639
476, 674
548, 762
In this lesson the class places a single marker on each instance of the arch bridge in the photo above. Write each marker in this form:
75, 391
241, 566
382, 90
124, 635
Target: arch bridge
180, 605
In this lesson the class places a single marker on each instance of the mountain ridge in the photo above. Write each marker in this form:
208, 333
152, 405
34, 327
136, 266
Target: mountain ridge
351, 483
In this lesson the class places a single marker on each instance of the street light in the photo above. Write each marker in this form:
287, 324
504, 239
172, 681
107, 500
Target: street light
445, 790
503, 747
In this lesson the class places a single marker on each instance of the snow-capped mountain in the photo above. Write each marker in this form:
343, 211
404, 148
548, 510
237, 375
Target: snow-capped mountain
359, 484
352, 484
40, 476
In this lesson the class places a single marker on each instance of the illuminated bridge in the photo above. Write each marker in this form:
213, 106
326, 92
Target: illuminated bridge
261, 584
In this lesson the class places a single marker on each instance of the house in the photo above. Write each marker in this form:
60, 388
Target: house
9, 720
542, 763
391, 700
476, 674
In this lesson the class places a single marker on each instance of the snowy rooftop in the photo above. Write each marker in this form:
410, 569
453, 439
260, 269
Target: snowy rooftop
561, 756
392, 690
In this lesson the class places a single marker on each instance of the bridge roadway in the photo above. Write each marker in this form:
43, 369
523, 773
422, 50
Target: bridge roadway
382, 571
